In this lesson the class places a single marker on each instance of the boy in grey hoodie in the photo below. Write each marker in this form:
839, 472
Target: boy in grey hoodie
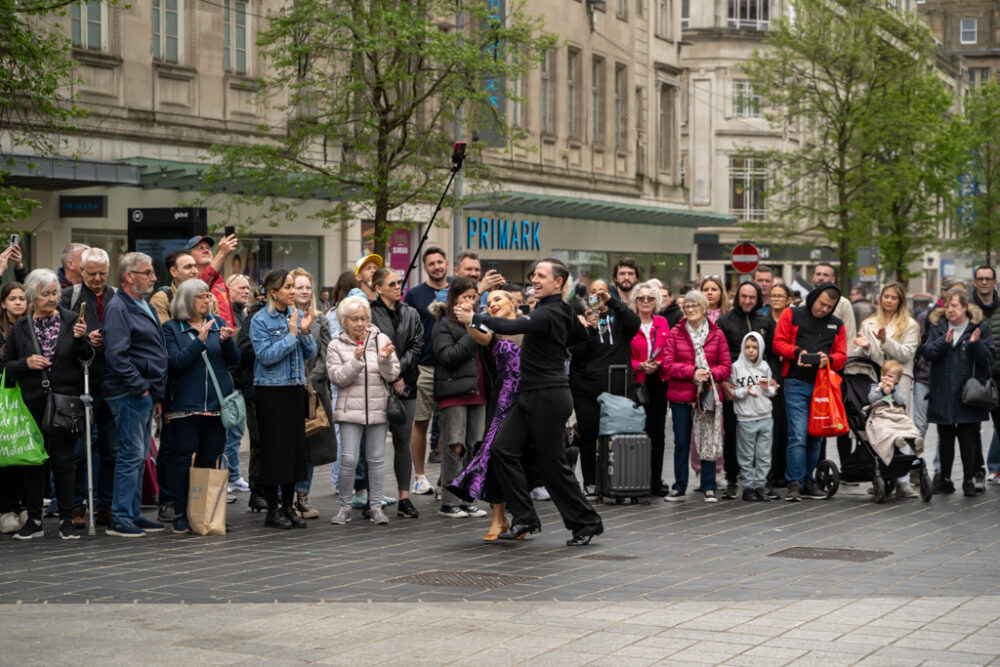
751, 376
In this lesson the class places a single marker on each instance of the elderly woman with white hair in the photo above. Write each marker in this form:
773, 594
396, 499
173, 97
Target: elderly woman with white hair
696, 359
48, 348
361, 361
199, 346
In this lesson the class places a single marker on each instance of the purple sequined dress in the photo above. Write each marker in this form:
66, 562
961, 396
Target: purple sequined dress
476, 482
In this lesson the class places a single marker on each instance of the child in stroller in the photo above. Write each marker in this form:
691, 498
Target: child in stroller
890, 428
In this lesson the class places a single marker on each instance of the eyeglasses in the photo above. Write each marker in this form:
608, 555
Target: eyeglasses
204, 295
394, 283
984, 278
690, 306
147, 272
645, 299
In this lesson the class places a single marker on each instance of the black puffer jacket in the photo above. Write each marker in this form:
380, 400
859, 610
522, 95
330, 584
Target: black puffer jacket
952, 364
610, 344
673, 314
456, 358
737, 323
243, 378
403, 326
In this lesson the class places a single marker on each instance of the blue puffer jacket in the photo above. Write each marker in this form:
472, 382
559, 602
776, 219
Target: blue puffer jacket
280, 356
135, 353
189, 386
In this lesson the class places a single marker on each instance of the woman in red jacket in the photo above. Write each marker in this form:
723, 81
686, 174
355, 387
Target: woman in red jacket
695, 354
647, 364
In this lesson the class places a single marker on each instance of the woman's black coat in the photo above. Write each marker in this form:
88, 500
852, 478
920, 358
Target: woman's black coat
66, 371
456, 360
952, 365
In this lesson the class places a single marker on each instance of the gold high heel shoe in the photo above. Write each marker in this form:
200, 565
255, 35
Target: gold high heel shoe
492, 535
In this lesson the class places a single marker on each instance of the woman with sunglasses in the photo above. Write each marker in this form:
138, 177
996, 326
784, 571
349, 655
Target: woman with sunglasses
401, 323
647, 364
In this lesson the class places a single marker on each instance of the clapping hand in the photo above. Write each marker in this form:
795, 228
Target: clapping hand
387, 350
307, 320
204, 329
293, 322
862, 341
880, 334
975, 335
359, 351
950, 336
225, 333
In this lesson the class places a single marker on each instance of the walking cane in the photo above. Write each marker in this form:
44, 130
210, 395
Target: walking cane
88, 403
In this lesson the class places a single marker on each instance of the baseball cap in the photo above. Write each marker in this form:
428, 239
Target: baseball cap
195, 240
368, 258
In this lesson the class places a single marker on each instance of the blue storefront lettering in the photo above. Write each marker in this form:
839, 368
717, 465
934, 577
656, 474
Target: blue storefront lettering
503, 234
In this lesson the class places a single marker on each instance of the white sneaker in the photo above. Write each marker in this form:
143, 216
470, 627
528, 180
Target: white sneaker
540, 493
993, 478
240, 486
422, 487
9, 523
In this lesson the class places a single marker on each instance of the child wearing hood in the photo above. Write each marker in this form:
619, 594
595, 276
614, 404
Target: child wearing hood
754, 389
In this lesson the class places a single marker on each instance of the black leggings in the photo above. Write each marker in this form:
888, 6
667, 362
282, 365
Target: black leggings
200, 435
588, 423
968, 442
60, 448
270, 493
656, 424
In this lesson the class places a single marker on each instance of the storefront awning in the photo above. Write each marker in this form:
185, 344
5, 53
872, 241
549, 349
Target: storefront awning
596, 209
49, 173
175, 175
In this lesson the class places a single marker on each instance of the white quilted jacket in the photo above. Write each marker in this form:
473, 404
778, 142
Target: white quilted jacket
350, 376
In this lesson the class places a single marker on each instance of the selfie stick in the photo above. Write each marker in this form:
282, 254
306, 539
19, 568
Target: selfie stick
457, 157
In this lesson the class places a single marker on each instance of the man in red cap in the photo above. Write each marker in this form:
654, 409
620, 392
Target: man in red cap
210, 269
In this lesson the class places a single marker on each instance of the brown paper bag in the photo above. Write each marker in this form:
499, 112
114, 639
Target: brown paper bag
206, 507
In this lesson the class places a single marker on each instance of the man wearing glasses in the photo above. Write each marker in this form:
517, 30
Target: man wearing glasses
985, 296
134, 385
96, 293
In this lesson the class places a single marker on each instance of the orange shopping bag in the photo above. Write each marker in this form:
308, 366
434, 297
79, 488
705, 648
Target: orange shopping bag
826, 410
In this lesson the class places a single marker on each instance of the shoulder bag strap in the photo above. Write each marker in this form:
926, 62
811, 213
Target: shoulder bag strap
211, 372
46, 383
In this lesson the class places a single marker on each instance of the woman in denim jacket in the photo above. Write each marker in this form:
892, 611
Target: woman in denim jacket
282, 344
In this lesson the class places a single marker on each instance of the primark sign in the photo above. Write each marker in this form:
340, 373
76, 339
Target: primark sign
502, 234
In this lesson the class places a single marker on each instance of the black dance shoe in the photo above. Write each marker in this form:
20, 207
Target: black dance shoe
518, 531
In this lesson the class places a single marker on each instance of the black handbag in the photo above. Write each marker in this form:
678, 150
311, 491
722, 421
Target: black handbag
64, 413
394, 410
980, 392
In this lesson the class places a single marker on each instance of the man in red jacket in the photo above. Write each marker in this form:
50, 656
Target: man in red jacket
210, 270
806, 338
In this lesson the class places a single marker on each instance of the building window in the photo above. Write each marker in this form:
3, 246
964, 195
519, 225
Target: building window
747, 180
546, 92
978, 76
87, 21
621, 8
516, 104
573, 94
666, 127
597, 101
753, 14
234, 37
685, 13
640, 8
663, 18
746, 101
968, 30
621, 108
166, 25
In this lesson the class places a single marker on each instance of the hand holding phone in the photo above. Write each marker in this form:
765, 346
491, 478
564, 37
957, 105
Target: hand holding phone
229, 230
83, 308
810, 359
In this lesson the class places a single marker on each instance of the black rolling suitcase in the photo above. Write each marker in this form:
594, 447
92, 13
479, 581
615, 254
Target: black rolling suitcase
623, 459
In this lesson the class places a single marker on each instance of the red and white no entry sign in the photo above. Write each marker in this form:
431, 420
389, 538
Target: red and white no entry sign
745, 258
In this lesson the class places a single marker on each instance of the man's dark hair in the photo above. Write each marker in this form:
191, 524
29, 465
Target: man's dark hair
986, 266
433, 250
665, 286
832, 292
625, 261
762, 268
171, 259
685, 288
829, 266
860, 289
465, 255
513, 288
559, 270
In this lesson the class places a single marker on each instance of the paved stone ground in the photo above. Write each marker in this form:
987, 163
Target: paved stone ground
676, 583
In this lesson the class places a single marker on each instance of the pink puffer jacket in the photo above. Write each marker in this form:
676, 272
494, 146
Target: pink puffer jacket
678, 360
350, 377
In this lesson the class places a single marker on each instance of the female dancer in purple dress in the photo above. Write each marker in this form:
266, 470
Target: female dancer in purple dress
477, 482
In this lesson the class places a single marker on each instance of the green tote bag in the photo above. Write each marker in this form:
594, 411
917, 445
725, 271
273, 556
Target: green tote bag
21, 441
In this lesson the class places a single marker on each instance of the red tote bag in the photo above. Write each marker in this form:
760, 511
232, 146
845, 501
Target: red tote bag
827, 417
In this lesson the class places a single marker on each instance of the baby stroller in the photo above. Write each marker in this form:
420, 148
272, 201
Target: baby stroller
864, 464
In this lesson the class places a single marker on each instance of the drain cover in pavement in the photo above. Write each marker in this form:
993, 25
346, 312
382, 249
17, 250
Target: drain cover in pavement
607, 557
819, 553
457, 579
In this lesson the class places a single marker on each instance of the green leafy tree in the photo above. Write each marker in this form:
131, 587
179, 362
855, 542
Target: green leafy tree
843, 81
35, 65
369, 94
977, 226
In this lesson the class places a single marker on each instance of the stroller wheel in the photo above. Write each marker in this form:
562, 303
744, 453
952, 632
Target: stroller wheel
827, 477
926, 488
878, 483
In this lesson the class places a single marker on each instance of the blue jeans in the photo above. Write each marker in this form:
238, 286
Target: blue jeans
104, 449
682, 448
993, 456
134, 417
803, 449
234, 437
